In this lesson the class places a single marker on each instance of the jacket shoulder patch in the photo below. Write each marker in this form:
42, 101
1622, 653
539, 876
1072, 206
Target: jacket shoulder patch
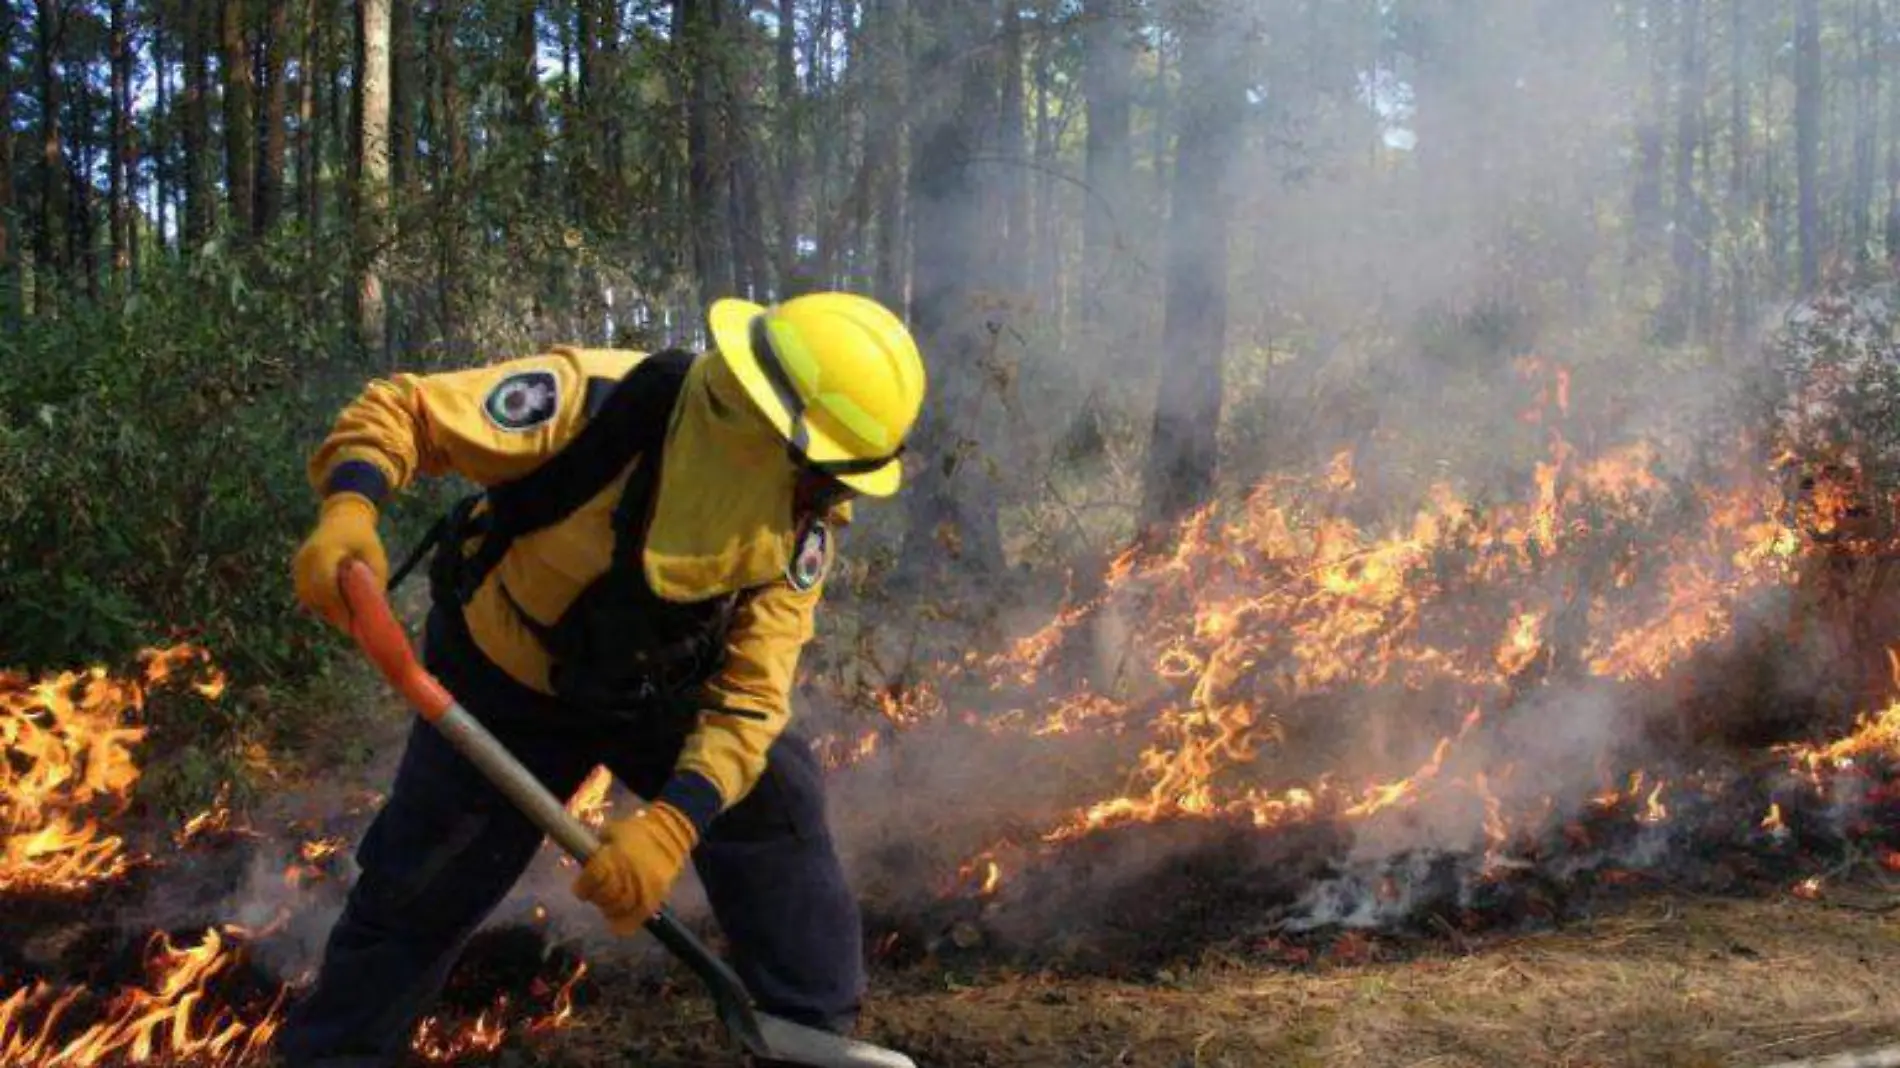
813, 557
522, 401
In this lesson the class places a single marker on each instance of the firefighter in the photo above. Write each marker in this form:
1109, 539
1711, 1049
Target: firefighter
632, 588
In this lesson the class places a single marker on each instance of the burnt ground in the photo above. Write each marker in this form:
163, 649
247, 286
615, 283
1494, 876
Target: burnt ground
1666, 979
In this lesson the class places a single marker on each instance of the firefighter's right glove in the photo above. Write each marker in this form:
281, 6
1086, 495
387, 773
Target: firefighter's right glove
639, 859
346, 528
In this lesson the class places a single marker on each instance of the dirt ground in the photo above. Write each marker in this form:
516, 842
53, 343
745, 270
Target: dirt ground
1671, 981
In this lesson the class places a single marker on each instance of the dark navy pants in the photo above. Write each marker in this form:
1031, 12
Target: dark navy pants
446, 848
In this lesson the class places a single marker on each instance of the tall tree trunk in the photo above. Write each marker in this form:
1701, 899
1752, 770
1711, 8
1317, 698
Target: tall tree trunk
341, 124
790, 108
607, 102
1774, 213
195, 18
82, 246
373, 196
129, 145
1047, 225
1741, 201
239, 163
525, 90
951, 509
1687, 224
884, 129
1646, 198
1107, 89
1182, 452
1892, 9
119, 191
270, 168
9, 262
452, 164
1011, 255
310, 122
1807, 135
696, 29
586, 122
405, 67
1861, 204
162, 127
49, 246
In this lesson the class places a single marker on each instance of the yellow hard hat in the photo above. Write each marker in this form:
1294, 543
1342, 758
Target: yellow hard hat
837, 374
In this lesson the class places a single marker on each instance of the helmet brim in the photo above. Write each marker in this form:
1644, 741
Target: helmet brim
730, 321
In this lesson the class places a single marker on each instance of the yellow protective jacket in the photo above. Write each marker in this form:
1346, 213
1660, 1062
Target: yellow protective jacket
723, 523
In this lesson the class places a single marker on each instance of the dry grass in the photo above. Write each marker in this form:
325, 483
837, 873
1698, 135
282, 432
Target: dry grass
1668, 982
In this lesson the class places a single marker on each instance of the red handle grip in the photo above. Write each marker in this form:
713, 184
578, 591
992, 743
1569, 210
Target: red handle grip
381, 637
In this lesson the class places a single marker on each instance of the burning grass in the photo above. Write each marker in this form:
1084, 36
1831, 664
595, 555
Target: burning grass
78, 990
1318, 730
1326, 716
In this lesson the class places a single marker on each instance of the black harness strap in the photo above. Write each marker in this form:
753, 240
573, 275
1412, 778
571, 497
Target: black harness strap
630, 419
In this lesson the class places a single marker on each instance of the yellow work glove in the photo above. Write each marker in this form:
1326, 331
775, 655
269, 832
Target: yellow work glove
346, 528
639, 859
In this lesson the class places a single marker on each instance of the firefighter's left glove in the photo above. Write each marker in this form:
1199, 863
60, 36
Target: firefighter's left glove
346, 528
640, 858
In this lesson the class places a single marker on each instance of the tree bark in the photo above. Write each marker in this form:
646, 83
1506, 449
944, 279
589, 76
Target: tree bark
526, 90
162, 114
790, 108
587, 112
119, 190
239, 162
1011, 254
1861, 204
195, 18
1182, 453
1687, 223
310, 122
696, 25
951, 509
1892, 11
275, 124
9, 262
452, 162
888, 42
49, 246
81, 224
1807, 134
1047, 224
1107, 87
404, 68
1646, 199
373, 196
1741, 201
607, 101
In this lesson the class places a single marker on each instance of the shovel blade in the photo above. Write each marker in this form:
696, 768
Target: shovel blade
787, 1041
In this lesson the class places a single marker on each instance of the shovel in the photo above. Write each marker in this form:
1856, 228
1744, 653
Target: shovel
763, 1035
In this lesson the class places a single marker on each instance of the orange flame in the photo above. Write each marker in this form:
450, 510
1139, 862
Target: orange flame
173, 1017
67, 744
590, 803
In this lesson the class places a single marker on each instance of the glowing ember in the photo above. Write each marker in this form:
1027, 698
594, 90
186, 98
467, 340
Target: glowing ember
1808, 889
590, 804
213, 822
1772, 821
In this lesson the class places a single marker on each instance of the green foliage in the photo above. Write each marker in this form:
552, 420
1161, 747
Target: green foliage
151, 463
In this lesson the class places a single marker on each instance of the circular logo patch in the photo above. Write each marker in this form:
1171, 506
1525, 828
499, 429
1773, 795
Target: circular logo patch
813, 557
523, 400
